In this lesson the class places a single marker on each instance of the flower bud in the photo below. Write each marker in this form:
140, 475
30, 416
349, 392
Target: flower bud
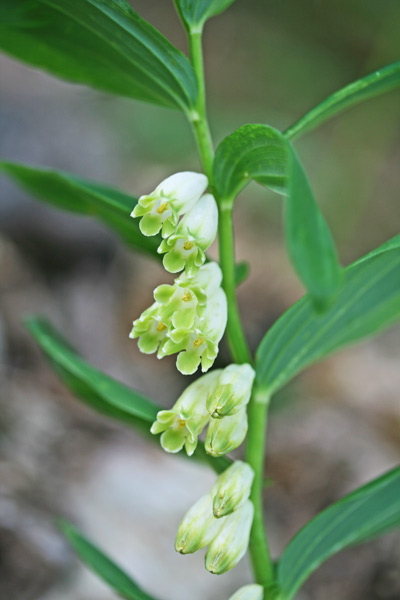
232, 392
224, 435
182, 425
173, 197
232, 488
195, 233
249, 592
230, 543
197, 528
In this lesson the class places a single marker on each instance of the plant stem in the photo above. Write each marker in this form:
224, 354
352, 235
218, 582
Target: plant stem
258, 406
236, 338
258, 546
198, 118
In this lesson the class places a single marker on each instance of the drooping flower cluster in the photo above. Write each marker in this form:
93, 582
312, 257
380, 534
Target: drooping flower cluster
217, 399
224, 530
188, 317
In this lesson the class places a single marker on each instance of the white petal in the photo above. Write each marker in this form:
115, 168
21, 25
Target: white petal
201, 222
184, 189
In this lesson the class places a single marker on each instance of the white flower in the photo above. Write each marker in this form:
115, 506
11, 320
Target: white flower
232, 392
200, 343
185, 248
231, 541
232, 488
182, 425
249, 592
173, 197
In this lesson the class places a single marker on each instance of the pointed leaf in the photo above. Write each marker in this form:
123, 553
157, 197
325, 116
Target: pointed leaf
194, 13
262, 154
84, 197
101, 392
98, 390
100, 43
100, 564
376, 83
370, 511
368, 301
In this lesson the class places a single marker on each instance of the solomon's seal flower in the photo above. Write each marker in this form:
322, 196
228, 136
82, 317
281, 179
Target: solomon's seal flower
224, 435
197, 528
182, 302
249, 592
173, 197
182, 425
150, 329
185, 248
232, 392
199, 344
231, 541
232, 488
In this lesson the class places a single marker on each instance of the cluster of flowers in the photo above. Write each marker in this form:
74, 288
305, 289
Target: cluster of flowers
188, 317
220, 520
217, 399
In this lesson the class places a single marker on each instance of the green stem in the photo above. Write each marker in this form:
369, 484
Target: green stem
258, 546
236, 338
198, 117
258, 406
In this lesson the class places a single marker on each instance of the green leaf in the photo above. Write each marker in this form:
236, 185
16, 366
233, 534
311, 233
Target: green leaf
100, 43
368, 302
262, 154
366, 513
100, 564
101, 392
77, 195
242, 271
194, 13
112, 207
376, 83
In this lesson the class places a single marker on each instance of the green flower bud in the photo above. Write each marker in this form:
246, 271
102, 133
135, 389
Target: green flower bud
194, 234
182, 425
231, 541
200, 344
197, 528
232, 488
173, 197
232, 392
249, 592
224, 435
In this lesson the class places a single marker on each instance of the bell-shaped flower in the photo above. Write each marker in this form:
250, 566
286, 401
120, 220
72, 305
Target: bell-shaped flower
232, 488
249, 592
173, 197
150, 329
182, 425
224, 435
197, 528
185, 248
199, 344
182, 302
231, 541
232, 392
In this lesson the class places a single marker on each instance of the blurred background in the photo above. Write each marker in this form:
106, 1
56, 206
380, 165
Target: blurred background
332, 429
